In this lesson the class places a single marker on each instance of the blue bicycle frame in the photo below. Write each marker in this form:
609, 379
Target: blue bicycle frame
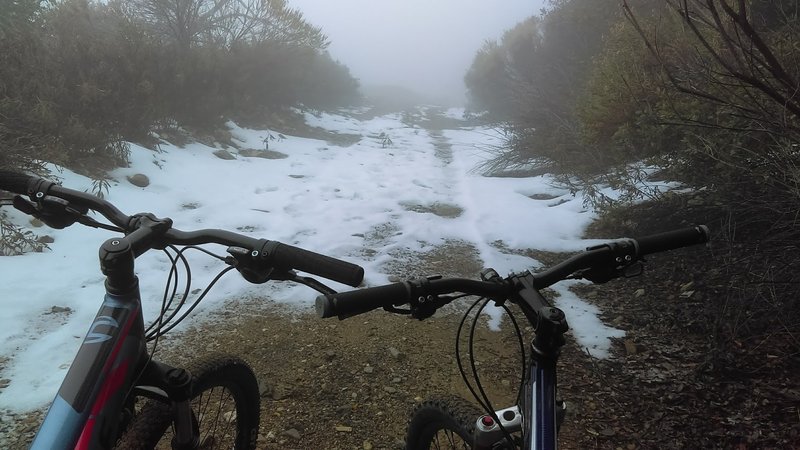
87, 409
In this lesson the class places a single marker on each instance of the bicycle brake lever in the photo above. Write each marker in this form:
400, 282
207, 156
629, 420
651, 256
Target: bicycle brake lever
394, 310
600, 275
425, 307
313, 284
53, 211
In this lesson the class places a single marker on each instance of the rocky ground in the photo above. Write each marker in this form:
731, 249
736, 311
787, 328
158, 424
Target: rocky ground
329, 384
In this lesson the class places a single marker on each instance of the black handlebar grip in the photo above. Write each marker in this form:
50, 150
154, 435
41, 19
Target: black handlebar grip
671, 240
284, 255
18, 183
352, 303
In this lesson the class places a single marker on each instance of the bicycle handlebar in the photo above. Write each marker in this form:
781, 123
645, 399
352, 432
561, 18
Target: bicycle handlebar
272, 253
609, 257
15, 182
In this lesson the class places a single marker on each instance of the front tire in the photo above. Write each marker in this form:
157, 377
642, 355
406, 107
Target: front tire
225, 401
442, 423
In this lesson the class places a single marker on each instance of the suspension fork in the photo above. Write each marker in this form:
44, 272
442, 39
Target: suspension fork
173, 387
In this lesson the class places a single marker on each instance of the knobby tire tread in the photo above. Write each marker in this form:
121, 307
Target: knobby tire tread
441, 413
153, 420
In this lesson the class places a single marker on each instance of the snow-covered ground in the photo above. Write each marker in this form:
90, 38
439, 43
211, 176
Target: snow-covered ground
322, 197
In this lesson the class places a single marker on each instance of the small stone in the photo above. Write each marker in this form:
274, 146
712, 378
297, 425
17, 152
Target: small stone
343, 429
630, 347
639, 293
4, 383
60, 310
608, 432
368, 369
292, 433
390, 389
367, 445
396, 354
45, 239
139, 180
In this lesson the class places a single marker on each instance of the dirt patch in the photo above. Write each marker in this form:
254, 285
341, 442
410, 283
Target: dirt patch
265, 154
445, 210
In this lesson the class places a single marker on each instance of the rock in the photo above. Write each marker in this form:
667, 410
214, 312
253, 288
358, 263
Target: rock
224, 154
343, 429
292, 433
45, 239
139, 180
639, 293
396, 354
630, 347
367, 445
369, 369
687, 287
60, 310
390, 389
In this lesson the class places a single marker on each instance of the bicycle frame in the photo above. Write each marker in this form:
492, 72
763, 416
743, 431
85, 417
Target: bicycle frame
536, 416
111, 364
87, 409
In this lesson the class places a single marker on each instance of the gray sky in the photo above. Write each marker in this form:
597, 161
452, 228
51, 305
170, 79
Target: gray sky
426, 45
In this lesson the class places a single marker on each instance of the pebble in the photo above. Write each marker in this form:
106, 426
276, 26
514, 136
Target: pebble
368, 369
396, 354
292, 433
343, 429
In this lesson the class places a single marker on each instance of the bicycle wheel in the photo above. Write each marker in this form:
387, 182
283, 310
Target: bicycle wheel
225, 402
442, 423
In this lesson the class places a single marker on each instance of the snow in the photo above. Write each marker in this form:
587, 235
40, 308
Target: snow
321, 197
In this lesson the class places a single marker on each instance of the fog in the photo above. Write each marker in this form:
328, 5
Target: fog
423, 45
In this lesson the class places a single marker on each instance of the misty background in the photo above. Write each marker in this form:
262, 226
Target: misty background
596, 92
422, 45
